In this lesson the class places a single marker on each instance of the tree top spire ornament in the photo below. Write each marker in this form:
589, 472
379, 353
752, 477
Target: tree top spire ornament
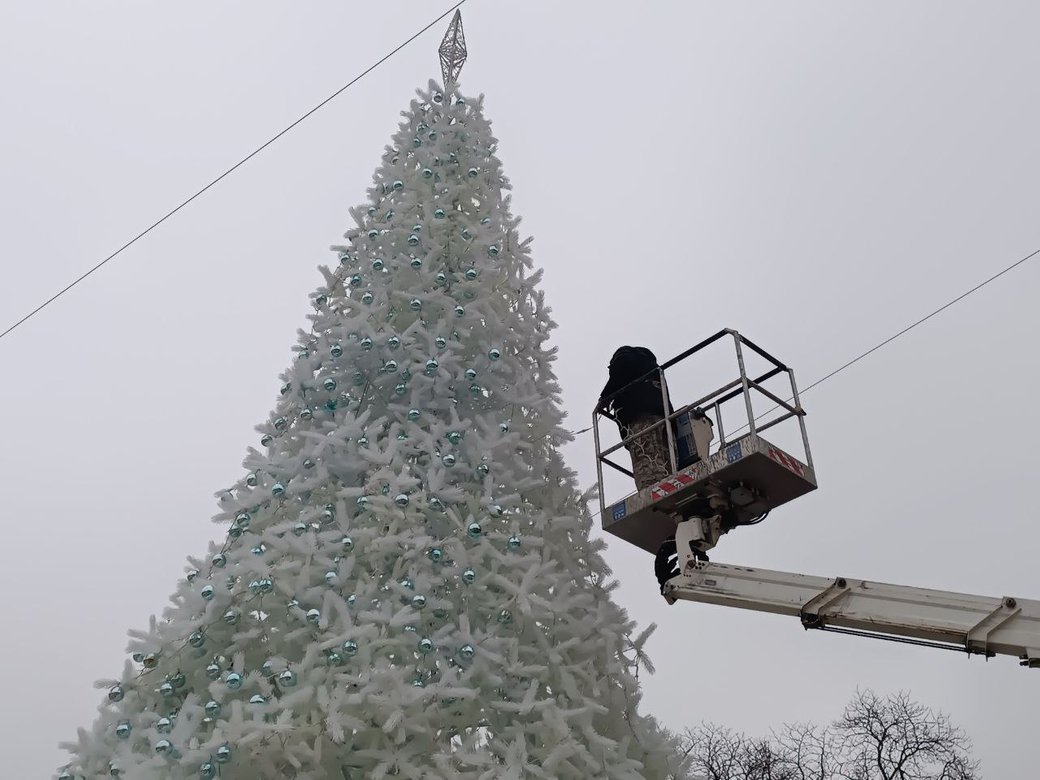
453, 50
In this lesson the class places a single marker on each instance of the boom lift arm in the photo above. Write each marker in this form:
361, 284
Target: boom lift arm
980, 625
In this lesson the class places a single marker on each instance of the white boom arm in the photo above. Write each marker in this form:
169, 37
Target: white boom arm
975, 624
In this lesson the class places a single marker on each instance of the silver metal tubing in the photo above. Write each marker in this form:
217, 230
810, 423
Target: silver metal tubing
744, 382
801, 418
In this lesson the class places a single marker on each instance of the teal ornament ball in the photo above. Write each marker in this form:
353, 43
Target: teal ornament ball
367, 298
123, 729
366, 344
493, 250
164, 725
505, 617
166, 689
448, 460
242, 519
287, 679
494, 354
350, 648
197, 639
347, 543
336, 350
495, 510
213, 671
436, 554
192, 575
441, 277
466, 652
398, 185
466, 234
413, 240
213, 708
223, 754
438, 214
416, 263
280, 423
401, 389
277, 489
415, 304
427, 173
435, 504
362, 501
163, 747
114, 769
207, 592
459, 311
469, 576
299, 529
441, 342
476, 390
355, 280
330, 384
233, 681
377, 264
373, 233
431, 367
266, 440
418, 601
483, 469
251, 479
232, 616
437, 97
473, 173
407, 583
513, 543
414, 414
320, 301
471, 273
257, 698
306, 413
313, 616
393, 342
454, 436
473, 530
470, 374
425, 645
331, 577
504, 427
308, 463
401, 499
207, 771
390, 366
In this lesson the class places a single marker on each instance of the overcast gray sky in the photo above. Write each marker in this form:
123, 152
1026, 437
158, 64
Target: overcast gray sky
816, 174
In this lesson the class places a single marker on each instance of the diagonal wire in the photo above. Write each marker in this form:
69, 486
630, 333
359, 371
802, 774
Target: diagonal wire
230, 170
889, 340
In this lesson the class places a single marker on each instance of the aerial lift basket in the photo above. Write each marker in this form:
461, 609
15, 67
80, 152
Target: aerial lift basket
739, 480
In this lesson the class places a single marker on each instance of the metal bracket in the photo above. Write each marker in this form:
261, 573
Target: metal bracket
977, 638
810, 612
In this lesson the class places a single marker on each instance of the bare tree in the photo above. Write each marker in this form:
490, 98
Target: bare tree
877, 738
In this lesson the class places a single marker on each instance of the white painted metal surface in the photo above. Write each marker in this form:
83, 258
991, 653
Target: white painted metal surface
975, 624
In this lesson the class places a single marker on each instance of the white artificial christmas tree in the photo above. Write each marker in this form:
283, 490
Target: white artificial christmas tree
407, 587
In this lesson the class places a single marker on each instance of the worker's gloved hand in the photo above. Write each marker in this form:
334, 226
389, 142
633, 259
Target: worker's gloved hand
666, 563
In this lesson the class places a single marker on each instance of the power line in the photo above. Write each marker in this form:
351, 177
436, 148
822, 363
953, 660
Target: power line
889, 340
924, 319
230, 170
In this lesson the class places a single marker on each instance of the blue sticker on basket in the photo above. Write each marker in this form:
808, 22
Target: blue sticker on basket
619, 510
733, 452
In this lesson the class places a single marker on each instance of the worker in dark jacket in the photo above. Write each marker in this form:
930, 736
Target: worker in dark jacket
633, 395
